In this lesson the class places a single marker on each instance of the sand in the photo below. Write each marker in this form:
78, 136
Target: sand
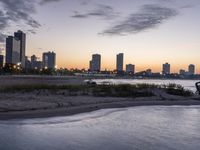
39, 104
22, 106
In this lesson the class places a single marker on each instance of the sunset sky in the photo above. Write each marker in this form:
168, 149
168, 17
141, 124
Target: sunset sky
148, 32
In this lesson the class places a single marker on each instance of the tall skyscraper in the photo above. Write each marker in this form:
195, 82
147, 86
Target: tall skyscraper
12, 51
130, 69
191, 69
49, 60
1, 61
166, 69
22, 38
95, 63
120, 62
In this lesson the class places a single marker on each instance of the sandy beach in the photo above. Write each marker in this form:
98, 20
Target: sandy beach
24, 106
42, 103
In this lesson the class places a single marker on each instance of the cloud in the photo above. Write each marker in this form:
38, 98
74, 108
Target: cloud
102, 11
148, 17
85, 2
2, 37
16, 12
42, 2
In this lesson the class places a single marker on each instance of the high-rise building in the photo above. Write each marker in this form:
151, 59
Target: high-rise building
49, 60
19, 35
35, 64
2, 52
1, 61
191, 69
12, 51
95, 63
166, 69
120, 62
130, 69
33, 61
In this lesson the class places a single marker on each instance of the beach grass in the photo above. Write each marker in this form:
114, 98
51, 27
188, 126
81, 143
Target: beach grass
125, 90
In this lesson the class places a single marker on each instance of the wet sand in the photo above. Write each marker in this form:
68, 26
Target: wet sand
20, 107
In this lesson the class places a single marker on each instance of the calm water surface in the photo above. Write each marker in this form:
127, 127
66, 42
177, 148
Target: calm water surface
138, 128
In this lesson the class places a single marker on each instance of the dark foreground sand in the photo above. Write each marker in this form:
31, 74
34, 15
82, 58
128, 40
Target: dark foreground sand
29, 106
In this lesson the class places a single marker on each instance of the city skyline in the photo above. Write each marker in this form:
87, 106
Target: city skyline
81, 28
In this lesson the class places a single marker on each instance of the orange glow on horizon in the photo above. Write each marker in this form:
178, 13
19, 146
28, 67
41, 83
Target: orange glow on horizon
139, 67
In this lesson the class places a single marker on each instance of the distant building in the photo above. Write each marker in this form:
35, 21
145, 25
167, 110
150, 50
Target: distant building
120, 62
2, 52
90, 65
27, 63
191, 69
49, 60
12, 51
33, 61
19, 35
148, 72
39, 65
166, 69
182, 72
1, 61
15, 49
95, 63
130, 69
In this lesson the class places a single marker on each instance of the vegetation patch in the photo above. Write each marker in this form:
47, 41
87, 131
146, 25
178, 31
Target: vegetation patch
126, 90
175, 89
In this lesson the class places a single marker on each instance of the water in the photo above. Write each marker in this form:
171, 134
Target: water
187, 84
137, 128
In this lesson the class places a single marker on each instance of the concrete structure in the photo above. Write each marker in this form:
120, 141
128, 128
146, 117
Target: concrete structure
130, 69
191, 69
120, 63
95, 63
166, 69
19, 35
49, 60
12, 51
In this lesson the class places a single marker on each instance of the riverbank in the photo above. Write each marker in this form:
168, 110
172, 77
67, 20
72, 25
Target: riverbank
38, 97
26, 107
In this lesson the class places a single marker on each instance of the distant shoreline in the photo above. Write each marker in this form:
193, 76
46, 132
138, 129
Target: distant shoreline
88, 77
67, 111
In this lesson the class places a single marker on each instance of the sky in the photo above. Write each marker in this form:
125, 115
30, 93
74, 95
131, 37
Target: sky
148, 32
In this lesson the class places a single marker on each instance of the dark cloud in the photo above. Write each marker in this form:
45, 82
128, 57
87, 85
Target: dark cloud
42, 2
31, 31
148, 17
2, 37
102, 11
85, 2
17, 12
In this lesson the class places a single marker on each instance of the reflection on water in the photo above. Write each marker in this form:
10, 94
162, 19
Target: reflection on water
149, 128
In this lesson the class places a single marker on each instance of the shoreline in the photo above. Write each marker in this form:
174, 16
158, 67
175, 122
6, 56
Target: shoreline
68, 111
